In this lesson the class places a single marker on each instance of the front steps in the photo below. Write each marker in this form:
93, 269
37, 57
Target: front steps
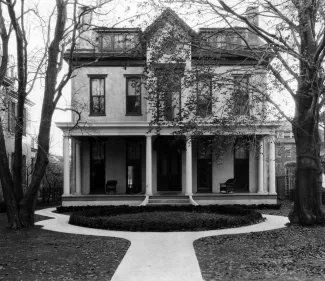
168, 201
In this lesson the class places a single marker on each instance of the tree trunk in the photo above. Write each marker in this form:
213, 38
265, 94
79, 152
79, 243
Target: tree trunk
308, 191
7, 184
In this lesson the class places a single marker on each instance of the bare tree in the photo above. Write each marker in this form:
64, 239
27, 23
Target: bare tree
291, 44
65, 32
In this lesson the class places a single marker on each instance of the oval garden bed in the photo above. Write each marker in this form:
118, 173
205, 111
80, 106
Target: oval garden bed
165, 218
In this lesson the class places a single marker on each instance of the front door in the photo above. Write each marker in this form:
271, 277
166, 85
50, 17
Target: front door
241, 168
204, 167
97, 167
169, 170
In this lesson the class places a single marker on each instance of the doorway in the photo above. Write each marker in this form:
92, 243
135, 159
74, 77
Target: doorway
204, 167
97, 167
241, 168
169, 167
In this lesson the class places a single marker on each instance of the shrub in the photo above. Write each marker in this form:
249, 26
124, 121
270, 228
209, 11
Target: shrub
165, 217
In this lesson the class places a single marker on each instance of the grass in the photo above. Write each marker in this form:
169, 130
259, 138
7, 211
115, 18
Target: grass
293, 253
36, 254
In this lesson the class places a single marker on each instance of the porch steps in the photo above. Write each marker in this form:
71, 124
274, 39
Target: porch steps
166, 201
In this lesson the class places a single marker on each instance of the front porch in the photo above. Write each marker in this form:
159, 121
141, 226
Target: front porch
162, 167
200, 199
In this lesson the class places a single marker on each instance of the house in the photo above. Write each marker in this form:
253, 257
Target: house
285, 161
8, 106
118, 90
285, 147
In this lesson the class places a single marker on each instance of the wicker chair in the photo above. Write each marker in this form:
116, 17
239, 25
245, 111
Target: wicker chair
110, 186
228, 186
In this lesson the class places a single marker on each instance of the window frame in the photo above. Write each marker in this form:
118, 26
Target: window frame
127, 78
205, 76
93, 77
127, 44
247, 77
160, 75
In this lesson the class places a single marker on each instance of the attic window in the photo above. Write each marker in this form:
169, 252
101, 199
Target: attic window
169, 46
118, 41
225, 40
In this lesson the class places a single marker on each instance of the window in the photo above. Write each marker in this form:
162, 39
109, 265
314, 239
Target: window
204, 96
133, 95
118, 41
12, 117
241, 95
280, 135
225, 40
169, 95
287, 151
97, 94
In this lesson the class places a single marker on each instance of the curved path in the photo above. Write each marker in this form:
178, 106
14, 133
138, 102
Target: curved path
159, 256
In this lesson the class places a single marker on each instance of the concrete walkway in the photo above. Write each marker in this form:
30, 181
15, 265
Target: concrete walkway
159, 256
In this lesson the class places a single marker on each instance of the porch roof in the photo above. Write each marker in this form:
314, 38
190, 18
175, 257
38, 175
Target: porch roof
142, 128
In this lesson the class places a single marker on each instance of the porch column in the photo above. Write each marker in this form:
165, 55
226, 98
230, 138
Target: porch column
78, 168
189, 190
260, 167
148, 165
66, 166
272, 166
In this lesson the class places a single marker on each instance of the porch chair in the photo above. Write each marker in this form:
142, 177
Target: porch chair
110, 186
228, 186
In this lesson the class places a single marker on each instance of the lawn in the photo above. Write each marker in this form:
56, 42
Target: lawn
293, 253
36, 254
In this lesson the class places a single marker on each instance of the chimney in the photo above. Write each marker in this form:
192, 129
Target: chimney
252, 15
86, 40
85, 13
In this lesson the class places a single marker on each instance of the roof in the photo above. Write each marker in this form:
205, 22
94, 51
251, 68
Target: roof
168, 15
117, 30
12, 92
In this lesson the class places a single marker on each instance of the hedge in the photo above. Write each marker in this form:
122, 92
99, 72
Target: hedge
70, 209
165, 218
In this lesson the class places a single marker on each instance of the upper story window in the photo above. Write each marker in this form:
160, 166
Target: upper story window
204, 96
241, 95
97, 94
287, 149
169, 94
133, 95
118, 41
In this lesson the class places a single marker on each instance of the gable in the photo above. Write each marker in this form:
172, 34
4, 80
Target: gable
168, 16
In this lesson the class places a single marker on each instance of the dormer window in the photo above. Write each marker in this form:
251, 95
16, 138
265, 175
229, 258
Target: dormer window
224, 39
118, 42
